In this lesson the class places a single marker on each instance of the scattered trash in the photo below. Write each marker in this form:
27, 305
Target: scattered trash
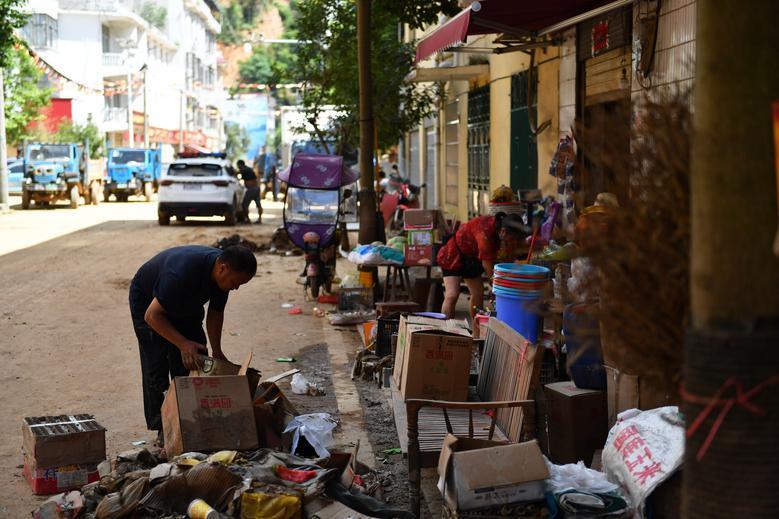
199, 509
396, 450
285, 359
301, 386
316, 428
259, 505
295, 311
346, 318
318, 312
138, 443
287, 305
327, 299
235, 334
296, 475
237, 239
61, 506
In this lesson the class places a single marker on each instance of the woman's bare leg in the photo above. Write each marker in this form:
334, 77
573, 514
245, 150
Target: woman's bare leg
476, 288
451, 294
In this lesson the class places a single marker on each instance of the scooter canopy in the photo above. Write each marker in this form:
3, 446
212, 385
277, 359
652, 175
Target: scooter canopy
314, 171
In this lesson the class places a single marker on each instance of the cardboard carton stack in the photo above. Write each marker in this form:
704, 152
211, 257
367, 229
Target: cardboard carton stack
61, 452
424, 227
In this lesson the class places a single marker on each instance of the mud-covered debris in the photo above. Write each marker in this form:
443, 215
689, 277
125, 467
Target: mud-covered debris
237, 239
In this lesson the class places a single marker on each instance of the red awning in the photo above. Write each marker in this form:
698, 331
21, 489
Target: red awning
502, 16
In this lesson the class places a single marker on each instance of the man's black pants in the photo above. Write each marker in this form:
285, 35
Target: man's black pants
160, 362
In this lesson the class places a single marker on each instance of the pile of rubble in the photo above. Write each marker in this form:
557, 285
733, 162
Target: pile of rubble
257, 484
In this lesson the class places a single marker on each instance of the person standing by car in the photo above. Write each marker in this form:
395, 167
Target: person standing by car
252, 190
167, 296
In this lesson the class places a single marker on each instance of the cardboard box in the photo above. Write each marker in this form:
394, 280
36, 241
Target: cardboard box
217, 368
272, 413
409, 324
436, 360
418, 255
61, 452
209, 414
622, 393
476, 474
54, 480
421, 219
577, 422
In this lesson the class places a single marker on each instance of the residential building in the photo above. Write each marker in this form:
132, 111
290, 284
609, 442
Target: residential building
109, 65
517, 77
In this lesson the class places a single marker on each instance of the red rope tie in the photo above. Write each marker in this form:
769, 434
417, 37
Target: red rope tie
742, 398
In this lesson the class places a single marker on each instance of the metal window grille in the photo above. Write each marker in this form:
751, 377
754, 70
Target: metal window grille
41, 31
478, 151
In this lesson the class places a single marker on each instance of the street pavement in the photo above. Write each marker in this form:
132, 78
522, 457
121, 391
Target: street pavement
66, 341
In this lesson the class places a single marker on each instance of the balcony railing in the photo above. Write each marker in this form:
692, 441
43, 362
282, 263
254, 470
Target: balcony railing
113, 114
113, 59
89, 5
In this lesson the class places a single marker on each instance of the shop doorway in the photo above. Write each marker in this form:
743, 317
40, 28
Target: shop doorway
524, 155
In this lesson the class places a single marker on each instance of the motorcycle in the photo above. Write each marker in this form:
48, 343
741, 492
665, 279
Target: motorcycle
312, 206
399, 195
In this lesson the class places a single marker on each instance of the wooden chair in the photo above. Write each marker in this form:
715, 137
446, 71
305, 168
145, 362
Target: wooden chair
416, 458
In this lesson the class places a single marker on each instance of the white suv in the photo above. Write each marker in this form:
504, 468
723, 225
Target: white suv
202, 186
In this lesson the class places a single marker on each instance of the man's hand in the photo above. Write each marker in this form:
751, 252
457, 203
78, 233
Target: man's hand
191, 353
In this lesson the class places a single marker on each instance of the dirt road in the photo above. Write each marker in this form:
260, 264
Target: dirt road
66, 342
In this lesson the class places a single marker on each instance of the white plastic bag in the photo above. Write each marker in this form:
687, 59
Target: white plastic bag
576, 476
299, 384
643, 449
316, 428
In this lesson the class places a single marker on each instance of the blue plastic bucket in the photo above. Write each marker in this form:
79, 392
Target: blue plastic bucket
518, 312
517, 269
513, 292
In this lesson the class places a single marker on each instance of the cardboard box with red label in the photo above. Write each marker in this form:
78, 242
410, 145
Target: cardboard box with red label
61, 453
205, 414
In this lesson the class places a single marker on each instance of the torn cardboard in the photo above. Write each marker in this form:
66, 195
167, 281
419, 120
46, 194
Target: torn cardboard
475, 474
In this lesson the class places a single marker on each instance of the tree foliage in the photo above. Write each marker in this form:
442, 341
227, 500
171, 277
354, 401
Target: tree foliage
327, 65
238, 16
69, 131
11, 17
155, 14
237, 141
24, 98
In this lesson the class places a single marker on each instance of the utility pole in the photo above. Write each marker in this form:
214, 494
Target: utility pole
367, 195
130, 133
731, 353
145, 107
3, 151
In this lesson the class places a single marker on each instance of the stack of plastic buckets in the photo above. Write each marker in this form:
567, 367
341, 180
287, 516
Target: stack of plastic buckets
518, 290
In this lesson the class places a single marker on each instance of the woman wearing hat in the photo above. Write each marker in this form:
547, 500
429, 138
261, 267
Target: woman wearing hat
471, 252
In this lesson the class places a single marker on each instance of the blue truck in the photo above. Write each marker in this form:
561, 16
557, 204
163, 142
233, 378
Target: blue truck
59, 171
132, 171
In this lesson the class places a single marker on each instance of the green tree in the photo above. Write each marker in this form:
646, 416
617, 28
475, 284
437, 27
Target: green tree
24, 98
237, 141
11, 17
69, 131
155, 14
327, 65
